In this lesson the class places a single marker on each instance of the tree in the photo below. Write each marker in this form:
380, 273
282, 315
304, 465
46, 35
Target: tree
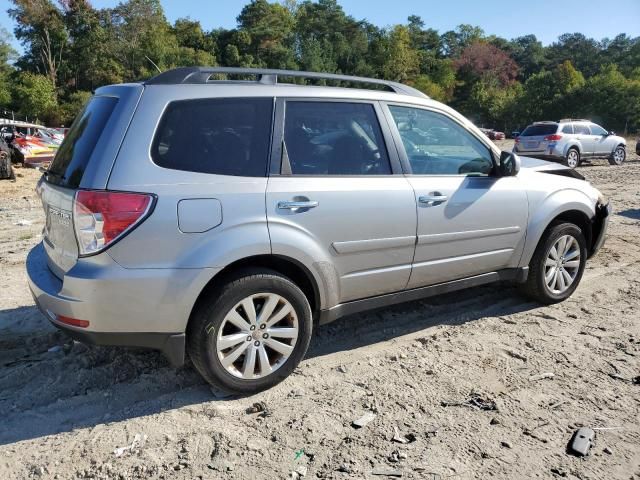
583, 52
7, 54
403, 62
35, 95
144, 40
455, 41
40, 28
270, 27
481, 60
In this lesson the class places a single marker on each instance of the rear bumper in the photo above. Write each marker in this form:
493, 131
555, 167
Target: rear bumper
600, 225
125, 307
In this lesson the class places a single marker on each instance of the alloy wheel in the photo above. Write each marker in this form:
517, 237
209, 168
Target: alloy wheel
619, 155
562, 264
257, 336
572, 158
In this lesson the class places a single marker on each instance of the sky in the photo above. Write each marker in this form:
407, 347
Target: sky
506, 18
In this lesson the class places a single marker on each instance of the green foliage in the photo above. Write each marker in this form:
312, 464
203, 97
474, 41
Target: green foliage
35, 94
72, 48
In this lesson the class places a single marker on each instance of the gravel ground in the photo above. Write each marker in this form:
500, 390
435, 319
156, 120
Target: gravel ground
453, 378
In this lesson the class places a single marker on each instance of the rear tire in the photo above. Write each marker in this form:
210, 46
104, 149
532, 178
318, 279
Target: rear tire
544, 283
618, 156
572, 160
232, 347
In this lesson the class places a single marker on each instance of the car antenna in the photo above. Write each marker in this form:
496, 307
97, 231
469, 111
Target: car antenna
152, 63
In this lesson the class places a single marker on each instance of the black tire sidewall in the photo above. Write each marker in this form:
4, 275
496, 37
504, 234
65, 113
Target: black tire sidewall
540, 257
209, 318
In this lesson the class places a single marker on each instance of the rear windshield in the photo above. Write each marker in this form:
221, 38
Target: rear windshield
229, 136
535, 130
73, 156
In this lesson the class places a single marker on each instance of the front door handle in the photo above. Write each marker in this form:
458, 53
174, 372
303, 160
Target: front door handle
297, 205
434, 198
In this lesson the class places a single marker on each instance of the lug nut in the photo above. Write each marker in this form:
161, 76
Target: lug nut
263, 326
249, 338
252, 327
257, 344
265, 335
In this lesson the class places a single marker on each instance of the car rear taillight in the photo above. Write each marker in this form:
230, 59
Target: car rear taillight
100, 218
553, 138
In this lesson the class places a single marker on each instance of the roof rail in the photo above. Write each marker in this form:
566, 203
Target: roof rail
574, 120
201, 75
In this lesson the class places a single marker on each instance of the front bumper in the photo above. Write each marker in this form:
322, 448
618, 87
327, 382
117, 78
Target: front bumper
146, 308
600, 225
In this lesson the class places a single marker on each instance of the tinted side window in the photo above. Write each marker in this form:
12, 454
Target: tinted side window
597, 130
436, 145
334, 138
228, 136
568, 128
581, 129
73, 156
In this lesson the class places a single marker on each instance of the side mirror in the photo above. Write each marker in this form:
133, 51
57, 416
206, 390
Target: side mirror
509, 164
611, 133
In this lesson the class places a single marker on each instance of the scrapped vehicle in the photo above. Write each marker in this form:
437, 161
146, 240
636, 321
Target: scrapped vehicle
570, 141
493, 134
6, 169
34, 150
32, 144
229, 218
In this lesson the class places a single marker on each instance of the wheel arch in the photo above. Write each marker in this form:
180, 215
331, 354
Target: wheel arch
562, 206
287, 266
571, 145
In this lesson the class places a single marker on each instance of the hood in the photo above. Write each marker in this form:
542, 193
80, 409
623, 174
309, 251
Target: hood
537, 165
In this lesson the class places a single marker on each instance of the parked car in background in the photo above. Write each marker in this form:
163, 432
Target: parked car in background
570, 141
493, 134
228, 219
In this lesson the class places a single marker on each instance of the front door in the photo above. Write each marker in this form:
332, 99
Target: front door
603, 142
469, 221
340, 199
586, 139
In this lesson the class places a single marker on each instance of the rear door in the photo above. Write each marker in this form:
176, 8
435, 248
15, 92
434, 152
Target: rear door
469, 221
82, 161
340, 198
586, 139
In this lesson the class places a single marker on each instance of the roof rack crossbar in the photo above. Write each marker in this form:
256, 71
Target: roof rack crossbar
202, 75
574, 120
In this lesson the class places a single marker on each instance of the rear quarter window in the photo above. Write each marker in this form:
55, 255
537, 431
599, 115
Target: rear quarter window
536, 130
228, 136
70, 163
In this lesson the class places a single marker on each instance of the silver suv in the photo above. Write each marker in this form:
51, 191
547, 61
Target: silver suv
570, 141
227, 218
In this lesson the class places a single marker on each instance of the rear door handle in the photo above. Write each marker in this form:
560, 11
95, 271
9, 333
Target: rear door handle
297, 205
433, 199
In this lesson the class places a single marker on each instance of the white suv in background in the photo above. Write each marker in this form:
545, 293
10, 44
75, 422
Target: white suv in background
570, 141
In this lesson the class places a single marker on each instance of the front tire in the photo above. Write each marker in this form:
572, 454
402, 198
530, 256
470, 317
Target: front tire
557, 265
618, 156
251, 332
572, 160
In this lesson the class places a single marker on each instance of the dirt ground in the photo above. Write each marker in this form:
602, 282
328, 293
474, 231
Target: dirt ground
453, 377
